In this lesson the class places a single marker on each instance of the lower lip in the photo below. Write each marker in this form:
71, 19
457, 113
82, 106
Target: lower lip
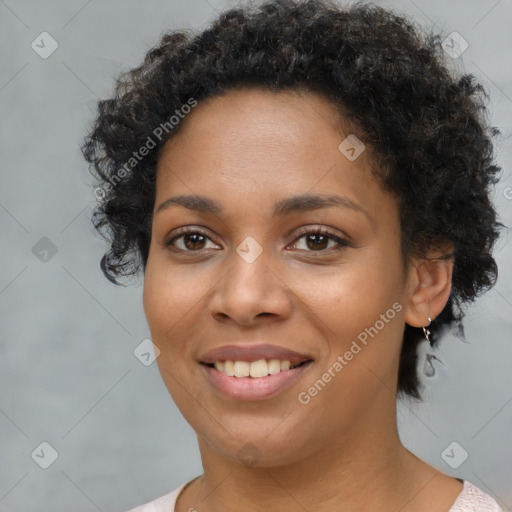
249, 388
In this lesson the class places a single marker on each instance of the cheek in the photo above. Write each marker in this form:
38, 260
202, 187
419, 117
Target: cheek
353, 295
171, 294
358, 308
169, 297
166, 302
174, 305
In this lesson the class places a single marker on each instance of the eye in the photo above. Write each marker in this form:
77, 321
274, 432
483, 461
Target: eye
190, 239
317, 240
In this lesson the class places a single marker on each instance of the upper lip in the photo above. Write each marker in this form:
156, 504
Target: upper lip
252, 353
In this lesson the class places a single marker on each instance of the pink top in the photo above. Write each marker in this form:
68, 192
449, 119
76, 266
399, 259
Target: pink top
471, 499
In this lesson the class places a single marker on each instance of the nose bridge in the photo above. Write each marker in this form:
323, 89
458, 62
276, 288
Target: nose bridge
249, 288
248, 266
250, 250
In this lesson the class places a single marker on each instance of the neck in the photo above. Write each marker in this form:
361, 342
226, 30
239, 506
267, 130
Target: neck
362, 468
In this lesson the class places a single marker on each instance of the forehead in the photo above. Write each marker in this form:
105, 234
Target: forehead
260, 128
255, 144
281, 116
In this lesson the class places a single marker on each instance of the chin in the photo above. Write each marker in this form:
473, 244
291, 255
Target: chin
252, 449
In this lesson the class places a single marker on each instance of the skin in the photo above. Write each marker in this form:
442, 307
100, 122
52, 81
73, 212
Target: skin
248, 149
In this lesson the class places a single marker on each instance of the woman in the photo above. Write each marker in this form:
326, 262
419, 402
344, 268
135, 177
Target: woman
307, 190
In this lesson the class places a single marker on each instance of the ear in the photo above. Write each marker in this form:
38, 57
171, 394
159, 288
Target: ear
429, 287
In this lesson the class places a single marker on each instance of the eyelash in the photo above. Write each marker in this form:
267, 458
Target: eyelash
343, 243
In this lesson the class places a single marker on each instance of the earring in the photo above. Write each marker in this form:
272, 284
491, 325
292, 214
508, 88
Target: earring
428, 367
426, 332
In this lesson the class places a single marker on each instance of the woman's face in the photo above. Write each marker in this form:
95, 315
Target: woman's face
251, 271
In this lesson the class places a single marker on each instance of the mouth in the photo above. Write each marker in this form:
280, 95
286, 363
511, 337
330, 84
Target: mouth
253, 372
255, 369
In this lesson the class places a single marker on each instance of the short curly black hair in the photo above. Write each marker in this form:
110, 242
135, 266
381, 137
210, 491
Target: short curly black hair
393, 85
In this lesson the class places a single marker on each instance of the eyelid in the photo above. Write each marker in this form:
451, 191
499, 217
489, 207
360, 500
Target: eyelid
342, 240
323, 230
185, 230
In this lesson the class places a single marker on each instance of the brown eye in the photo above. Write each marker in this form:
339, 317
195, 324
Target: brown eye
188, 240
318, 241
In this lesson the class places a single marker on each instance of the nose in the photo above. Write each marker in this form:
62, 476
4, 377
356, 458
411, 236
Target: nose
250, 291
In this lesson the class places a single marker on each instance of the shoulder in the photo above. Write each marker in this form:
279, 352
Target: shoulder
162, 504
473, 499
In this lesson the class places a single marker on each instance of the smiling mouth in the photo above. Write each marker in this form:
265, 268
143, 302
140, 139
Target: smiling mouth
254, 369
253, 380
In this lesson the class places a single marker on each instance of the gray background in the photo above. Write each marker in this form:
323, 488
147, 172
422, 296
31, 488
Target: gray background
68, 373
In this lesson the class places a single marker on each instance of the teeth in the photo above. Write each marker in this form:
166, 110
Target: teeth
255, 369
258, 368
274, 366
242, 368
229, 368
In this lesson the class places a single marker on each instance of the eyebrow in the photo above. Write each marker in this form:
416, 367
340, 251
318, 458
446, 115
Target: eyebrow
284, 207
